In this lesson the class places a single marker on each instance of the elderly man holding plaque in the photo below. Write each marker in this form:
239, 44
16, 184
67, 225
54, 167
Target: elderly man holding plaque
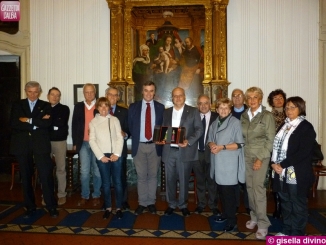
179, 158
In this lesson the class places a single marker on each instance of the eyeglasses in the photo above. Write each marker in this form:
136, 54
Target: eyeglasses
237, 96
290, 108
115, 95
278, 98
203, 103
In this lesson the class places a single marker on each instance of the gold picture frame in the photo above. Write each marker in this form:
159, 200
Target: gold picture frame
131, 21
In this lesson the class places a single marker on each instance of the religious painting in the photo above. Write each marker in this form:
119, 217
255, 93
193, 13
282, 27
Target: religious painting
171, 55
173, 44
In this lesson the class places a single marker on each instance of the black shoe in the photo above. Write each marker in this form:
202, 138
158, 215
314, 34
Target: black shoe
107, 214
53, 212
219, 219
185, 212
152, 209
125, 206
119, 214
216, 212
199, 210
140, 210
29, 212
169, 211
230, 228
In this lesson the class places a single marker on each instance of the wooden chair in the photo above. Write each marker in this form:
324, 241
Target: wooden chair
14, 169
319, 171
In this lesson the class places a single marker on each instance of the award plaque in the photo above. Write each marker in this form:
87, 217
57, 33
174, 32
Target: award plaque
169, 135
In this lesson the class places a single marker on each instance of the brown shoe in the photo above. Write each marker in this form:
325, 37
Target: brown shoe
96, 201
82, 202
62, 200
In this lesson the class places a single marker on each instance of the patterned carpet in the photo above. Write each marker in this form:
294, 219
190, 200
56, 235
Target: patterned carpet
90, 222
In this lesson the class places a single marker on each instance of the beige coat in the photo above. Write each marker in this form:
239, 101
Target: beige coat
103, 139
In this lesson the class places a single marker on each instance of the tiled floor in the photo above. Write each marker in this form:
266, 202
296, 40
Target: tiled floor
25, 238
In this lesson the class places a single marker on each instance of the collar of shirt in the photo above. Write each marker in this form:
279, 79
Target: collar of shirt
91, 105
29, 102
238, 109
54, 105
150, 102
255, 113
207, 115
113, 108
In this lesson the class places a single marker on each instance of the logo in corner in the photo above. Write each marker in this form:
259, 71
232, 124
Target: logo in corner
10, 11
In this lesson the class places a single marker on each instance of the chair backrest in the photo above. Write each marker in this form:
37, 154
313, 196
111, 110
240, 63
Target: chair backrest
318, 156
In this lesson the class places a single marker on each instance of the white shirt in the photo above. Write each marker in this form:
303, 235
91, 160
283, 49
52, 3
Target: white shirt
207, 118
255, 113
176, 119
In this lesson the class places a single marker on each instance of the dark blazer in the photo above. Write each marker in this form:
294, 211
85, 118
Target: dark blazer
60, 117
122, 114
134, 117
78, 125
22, 132
299, 155
214, 115
190, 119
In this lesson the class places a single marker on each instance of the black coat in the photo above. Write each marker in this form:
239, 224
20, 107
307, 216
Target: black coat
78, 125
122, 114
60, 117
23, 132
299, 155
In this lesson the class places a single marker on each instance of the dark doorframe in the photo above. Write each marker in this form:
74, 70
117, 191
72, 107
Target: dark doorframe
9, 92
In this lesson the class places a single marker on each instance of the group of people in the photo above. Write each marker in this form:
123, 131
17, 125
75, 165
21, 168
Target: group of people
228, 150
243, 151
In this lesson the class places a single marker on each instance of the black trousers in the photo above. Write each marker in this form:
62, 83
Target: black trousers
228, 201
294, 211
245, 194
205, 182
44, 168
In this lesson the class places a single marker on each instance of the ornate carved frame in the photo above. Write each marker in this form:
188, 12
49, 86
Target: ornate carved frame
215, 81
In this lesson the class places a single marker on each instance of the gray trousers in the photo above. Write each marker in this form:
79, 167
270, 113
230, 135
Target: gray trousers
59, 150
257, 192
204, 181
146, 163
176, 169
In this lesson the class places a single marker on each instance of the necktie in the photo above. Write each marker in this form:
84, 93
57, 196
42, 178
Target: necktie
32, 105
148, 123
111, 111
202, 137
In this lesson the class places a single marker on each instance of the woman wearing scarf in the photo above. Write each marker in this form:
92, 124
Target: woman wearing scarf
291, 163
276, 99
228, 167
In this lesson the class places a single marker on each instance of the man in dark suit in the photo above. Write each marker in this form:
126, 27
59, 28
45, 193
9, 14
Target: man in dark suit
180, 158
83, 114
30, 143
146, 154
112, 94
202, 166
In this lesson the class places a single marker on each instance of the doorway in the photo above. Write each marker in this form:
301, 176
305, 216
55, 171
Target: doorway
9, 92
